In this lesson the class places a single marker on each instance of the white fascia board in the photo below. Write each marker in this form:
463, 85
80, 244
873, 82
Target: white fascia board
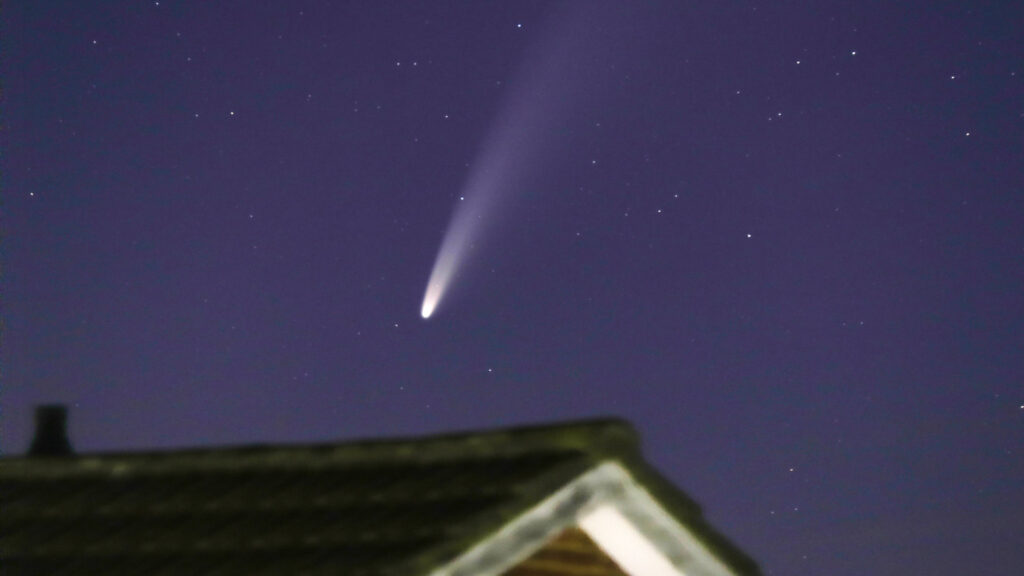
624, 544
617, 513
636, 514
678, 544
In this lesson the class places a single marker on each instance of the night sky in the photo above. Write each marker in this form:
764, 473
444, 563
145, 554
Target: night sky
784, 239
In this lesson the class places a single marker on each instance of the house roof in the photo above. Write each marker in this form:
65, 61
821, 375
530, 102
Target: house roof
413, 506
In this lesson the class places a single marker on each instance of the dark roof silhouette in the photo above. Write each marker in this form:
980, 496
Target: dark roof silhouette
414, 506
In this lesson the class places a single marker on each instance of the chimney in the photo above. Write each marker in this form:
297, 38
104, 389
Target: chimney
51, 432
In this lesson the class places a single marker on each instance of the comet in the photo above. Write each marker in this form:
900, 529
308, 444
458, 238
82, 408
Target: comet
463, 233
448, 259
529, 128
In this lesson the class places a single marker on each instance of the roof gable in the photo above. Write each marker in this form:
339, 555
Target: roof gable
618, 514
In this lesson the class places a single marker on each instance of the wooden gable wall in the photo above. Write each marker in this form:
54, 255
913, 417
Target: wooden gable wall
571, 553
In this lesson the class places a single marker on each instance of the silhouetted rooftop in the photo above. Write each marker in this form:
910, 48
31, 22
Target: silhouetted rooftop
404, 506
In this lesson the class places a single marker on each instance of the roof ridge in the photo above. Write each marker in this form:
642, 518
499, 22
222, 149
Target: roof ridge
596, 437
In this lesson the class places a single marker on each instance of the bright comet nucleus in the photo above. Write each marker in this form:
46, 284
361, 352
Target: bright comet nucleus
434, 290
429, 302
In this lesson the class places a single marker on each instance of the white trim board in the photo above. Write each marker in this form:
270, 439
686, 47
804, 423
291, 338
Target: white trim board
616, 512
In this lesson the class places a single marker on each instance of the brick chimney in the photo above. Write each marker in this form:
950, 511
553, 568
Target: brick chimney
51, 437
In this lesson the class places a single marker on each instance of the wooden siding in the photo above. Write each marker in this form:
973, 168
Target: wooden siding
571, 553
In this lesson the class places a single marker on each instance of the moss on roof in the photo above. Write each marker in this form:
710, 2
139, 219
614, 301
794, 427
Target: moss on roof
377, 507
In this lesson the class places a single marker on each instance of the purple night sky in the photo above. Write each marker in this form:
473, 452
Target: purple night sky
784, 239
